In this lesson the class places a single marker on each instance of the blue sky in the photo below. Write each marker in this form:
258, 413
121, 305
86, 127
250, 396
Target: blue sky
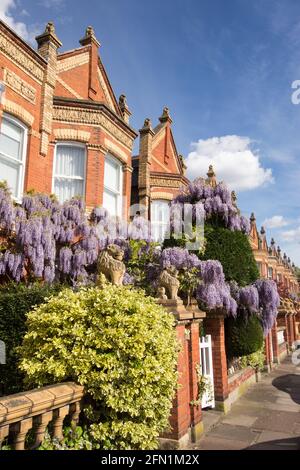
224, 68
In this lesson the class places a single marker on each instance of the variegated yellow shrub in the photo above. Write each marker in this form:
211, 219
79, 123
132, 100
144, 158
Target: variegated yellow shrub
121, 346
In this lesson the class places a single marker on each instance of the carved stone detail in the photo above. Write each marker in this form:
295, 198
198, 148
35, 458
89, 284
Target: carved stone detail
72, 134
162, 195
168, 280
166, 182
90, 117
20, 57
110, 263
19, 86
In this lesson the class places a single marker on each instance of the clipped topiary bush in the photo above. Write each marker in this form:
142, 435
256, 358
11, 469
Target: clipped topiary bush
121, 346
233, 250
15, 301
243, 336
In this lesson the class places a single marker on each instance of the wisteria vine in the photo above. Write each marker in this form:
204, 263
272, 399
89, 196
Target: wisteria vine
43, 239
211, 203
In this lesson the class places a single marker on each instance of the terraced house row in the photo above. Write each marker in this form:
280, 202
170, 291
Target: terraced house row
64, 131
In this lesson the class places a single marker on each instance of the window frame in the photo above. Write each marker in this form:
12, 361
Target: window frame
71, 143
159, 223
118, 194
23, 160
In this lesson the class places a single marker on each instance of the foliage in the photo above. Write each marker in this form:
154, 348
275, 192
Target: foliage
269, 302
255, 360
143, 265
204, 386
233, 250
15, 301
74, 439
243, 335
121, 346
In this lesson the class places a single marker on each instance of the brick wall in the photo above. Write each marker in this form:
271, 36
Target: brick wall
239, 378
34, 85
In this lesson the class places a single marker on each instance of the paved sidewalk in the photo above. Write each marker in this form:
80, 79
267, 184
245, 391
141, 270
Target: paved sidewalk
267, 417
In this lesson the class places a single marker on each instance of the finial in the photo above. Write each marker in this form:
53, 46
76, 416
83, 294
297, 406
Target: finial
124, 108
181, 159
50, 28
233, 197
89, 37
147, 123
147, 127
262, 230
278, 250
48, 36
211, 180
272, 241
165, 115
122, 101
252, 217
89, 31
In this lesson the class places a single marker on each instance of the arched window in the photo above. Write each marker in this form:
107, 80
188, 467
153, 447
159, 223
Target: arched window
69, 171
112, 192
160, 219
13, 147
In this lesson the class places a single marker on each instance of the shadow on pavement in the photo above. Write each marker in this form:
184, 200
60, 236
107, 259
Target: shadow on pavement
280, 444
290, 384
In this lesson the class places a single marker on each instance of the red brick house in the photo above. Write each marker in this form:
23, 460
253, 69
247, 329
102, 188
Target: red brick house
62, 129
158, 172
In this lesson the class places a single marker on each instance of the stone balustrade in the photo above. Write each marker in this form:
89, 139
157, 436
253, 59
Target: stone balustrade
35, 409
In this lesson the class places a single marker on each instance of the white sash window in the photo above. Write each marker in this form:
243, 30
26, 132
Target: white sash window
13, 145
69, 171
112, 193
160, 219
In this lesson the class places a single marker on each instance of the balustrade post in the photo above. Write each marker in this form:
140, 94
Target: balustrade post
20, 430
58, 420
40, 424
4, 432
75, 409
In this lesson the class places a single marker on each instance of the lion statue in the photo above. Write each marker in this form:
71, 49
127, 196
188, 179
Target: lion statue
110, 263
169, 282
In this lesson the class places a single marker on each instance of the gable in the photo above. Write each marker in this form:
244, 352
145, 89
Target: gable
80, 76
164, 152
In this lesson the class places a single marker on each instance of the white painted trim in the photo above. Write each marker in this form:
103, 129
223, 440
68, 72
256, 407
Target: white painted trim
22, 162
70, 144
119, 194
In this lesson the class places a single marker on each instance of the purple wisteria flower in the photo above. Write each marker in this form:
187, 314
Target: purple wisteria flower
213, 292
269, 302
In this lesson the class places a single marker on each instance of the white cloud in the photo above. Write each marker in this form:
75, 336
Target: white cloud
276, 221
8, 8
6, 14
234, 161
291, 235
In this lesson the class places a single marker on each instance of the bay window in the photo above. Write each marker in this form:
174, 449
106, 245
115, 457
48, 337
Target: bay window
160, 219
69, 171
112, 192
13, 145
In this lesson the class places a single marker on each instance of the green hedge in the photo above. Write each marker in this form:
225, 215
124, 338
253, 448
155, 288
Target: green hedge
243, 336
15, 301
233, 250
